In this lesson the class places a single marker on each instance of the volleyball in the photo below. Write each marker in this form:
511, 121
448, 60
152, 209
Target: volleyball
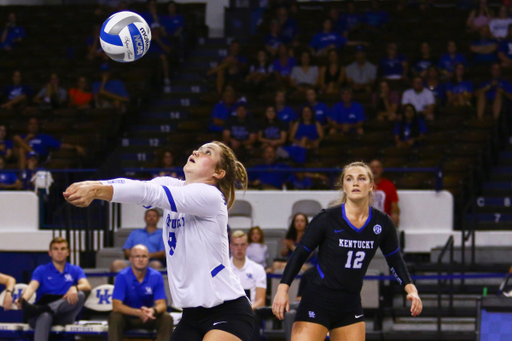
125, 36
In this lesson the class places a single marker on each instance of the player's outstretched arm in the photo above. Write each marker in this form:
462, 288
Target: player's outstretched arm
81, 194
281, 301
414, 298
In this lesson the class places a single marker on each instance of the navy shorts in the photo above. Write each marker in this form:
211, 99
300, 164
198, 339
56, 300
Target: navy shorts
235, 317
328, 307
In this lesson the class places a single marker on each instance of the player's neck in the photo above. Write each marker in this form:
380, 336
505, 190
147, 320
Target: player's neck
239, 263
190, 179
139, 274
151, 228
357, 209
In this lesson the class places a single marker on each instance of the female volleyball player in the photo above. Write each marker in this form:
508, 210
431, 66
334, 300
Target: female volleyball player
214, 304
348, 235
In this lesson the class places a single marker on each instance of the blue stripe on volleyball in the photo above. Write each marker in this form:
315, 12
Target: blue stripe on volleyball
137, 41
110, 38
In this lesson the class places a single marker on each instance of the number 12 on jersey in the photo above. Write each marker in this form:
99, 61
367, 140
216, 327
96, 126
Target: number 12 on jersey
358, 260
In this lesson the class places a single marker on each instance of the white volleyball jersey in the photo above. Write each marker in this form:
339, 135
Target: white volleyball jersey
252, 276
195, 237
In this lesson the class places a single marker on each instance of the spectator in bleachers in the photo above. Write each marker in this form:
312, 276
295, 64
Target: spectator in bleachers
499, 25
12, 34
385, 197
411, 129
422, 99
139, 300
479, 17
94, 49
52, 95
361, 74
306, 132
450, 59
294, 234
351, 20
304, 75
230, 69
283, 65
284, 112
326, 40
505, 49
334, 15
459, 90
376, 18
80, 97
16, 95
289, 27
484, 49
257, 250
261, 71
150, 237
273, 39
394, 65
424, 61
386, 102
331, 75
494, 91
273, 132
305, 181
8, 180
347, 116
6, 145
160, 49
434, 84
167, 163
321, 110
60, 290
268, 180
30, 171
223, 110
173, 22
110, 93
9, 283
152, 17
240, 131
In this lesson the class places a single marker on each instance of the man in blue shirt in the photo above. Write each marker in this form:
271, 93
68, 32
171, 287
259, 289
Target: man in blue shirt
448, 60
12, 34
139, 300
16, 94
484, 49
223, 110
347, 116
268, 180
240, 131
395, 65
284, 112
8, 180
494, 90
322, 111
110, 92
60, 290
150, 237
327, 39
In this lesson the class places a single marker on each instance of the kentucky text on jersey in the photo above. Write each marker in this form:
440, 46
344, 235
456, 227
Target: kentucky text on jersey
357, 244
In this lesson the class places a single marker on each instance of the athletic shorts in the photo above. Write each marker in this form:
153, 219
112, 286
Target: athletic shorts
235, 317
328, 307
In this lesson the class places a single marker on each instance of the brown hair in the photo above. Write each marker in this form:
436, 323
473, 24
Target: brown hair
152, 209
256, 228
59, 240
339, 184
235, 173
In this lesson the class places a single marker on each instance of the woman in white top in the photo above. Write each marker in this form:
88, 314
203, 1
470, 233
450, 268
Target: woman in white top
195, 233
304, 75
257, 250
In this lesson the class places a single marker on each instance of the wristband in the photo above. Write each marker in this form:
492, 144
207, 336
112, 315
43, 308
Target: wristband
9, 291
76, 286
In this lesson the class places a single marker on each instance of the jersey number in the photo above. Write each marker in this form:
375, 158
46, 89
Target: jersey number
172, 243
358, 260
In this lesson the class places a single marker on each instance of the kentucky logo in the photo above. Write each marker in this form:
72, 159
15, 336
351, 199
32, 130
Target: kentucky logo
68, 278
104, 298
17, 294
149, 291
249, 276
377, 229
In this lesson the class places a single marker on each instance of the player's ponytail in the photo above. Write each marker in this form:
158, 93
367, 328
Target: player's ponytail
343, 197
236, 175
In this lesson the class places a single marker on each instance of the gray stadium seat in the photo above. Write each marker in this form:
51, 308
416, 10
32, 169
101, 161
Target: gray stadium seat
120, 236
106, 256
241, 209
309, 207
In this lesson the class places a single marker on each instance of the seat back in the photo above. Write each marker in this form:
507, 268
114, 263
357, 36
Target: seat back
241, 210
100, 298
18, 290
309, 207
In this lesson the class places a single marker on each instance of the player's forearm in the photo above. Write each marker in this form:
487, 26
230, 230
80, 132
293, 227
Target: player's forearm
411, 288
258, 303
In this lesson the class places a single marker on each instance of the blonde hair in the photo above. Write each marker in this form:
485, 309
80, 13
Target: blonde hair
238, 234
343, 198
59, 240
235, 173
251, 231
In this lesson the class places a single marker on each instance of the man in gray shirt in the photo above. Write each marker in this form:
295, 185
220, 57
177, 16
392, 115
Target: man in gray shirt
361, 74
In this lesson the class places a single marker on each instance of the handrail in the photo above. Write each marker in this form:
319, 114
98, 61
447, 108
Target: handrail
447, 246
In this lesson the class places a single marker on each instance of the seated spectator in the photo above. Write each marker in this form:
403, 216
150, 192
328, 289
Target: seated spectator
51, 95
268, 180
459, 90
240, 131
8, 180
505, 50
152, 17
283, 65
386, 102
150, 237
94, 49
260, 71
305, 181
60, 290
385, 197
422, 99
484, 49
347, 116
493, 91
361, 74
168, 166
479, 17
273, 39
306, 132
16, 95
257, 251
80, 97
284, 112
332, 75
327, 39
351, 20
499, 25
231, 69
110, 93
424, 61
394, 65
294, 234
173, 24
6, 145
12, 34
160, 49
411, 129
30, 171
376, 18
450, 59
139, 300
9, 283
223, 110
321, 110
273, 131
304, 74
289, 27
433, 83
